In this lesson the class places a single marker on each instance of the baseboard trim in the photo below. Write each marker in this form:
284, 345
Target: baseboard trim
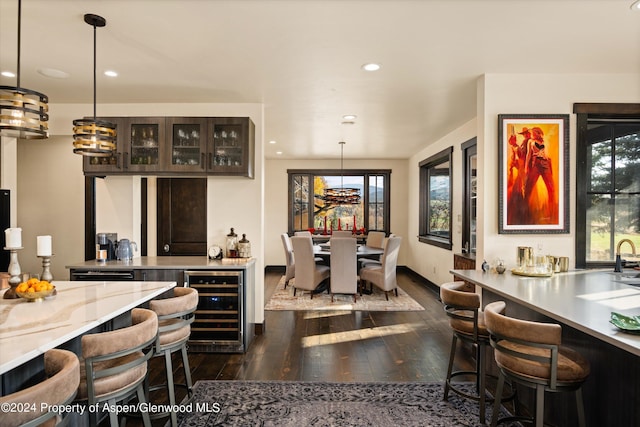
420, 279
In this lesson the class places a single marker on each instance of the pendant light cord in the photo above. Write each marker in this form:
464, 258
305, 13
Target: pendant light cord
19, 38
94, 71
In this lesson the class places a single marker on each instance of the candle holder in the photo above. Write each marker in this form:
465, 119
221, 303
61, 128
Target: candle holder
14, 272
46, 264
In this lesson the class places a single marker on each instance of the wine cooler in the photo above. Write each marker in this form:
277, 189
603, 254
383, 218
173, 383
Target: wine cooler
219, 324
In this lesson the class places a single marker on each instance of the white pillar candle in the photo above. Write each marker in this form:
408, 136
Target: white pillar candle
13, 237
44, 246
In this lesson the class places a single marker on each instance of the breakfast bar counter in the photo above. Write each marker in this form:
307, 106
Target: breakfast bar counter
28, 329
581, 302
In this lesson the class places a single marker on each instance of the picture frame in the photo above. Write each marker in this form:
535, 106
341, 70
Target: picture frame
533, 173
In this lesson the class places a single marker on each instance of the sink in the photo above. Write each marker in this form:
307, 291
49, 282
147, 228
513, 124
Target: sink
627, 277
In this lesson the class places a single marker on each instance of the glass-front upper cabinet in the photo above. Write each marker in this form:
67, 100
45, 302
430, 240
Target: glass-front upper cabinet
188, 145
144, 136
231, 146
470, 201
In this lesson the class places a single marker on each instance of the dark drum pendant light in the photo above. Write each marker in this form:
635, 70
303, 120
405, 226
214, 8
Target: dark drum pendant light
23, 112
92, 137
342, 195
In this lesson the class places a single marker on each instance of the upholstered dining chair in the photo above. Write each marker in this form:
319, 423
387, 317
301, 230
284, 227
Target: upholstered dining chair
175, 316
341, 233
308, 274
290, 266
114, 364
375, 239
531, 353
59, 388
303, 233
344, 266
384, 275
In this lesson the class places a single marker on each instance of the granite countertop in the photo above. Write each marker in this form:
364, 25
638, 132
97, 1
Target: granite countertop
582, 299
165, 262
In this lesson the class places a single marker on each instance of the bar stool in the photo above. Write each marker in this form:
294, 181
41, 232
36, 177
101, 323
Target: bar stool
531, 354
462, 305
175, 316
114, 364
63, 376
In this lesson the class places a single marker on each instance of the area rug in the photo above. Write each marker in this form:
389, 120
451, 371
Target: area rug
300, 404
283, 299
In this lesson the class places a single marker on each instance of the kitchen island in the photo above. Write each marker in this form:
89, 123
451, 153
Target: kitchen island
29, 329
582, 302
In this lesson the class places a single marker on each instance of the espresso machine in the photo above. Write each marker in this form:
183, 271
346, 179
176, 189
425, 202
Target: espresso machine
106, 246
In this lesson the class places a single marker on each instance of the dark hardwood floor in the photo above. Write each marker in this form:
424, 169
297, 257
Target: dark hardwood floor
336, 346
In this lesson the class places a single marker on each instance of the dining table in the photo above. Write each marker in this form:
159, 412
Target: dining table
362, 251
28, 329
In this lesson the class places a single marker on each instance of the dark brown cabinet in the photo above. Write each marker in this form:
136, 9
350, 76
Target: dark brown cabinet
179, 145
464, 262
231, 146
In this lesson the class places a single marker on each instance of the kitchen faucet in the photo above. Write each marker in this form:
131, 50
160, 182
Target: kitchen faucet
618, 268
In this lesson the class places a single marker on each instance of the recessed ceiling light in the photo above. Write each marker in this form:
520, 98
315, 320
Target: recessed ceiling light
8, 74
348, 122
272, 142
111, 73
371, 67
635, 5
278, 152
349, 117
53, 73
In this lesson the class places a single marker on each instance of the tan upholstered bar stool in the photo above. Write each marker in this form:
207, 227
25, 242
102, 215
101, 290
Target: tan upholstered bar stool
462, 305
531, 354
63, 376
175, 316
114, 364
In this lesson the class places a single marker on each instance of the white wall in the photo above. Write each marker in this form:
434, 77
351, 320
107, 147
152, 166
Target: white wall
427, 260
50, 201
535, 94
276, 206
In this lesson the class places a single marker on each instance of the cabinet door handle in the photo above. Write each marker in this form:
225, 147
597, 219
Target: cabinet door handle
203, 161
118, 159
166, 247
210, 160
125, 163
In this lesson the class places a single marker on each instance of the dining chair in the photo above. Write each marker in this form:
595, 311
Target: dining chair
303, 233
384, 275
114, 365
290, 266
175, 316
531, 353
344, 266
375, 239
57, 390
308, 274
341, 233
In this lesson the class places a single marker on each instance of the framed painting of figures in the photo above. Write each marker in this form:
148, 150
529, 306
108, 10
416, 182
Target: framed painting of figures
533, 167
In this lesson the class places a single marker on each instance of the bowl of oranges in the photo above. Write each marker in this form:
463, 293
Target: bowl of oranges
35, 290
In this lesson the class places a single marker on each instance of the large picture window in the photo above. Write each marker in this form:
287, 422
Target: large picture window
435, 199
308, 210
608, 181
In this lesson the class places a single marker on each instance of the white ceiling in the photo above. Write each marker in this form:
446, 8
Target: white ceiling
302, 59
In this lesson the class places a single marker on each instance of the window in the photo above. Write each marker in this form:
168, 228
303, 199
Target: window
470, 202
608, 181
309, 211
435, 200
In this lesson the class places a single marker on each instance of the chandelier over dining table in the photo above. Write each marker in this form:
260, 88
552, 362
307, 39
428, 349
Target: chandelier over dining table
341, 195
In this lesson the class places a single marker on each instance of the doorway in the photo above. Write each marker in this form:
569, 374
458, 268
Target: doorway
182, 216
